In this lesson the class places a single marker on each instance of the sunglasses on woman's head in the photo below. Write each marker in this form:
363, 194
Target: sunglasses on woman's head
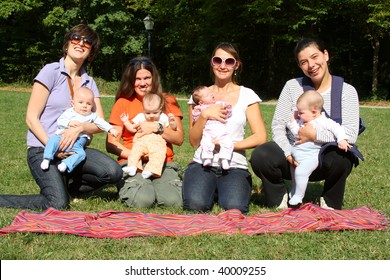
142, 61
229, 62
76, 39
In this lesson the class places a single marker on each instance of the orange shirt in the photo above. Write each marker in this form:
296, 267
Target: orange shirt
133, 106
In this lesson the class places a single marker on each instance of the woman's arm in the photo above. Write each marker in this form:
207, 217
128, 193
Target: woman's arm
114, 146
175, 137
256, 124
36, 105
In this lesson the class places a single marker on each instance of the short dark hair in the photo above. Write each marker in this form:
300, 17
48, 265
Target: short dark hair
86, 31
303, 43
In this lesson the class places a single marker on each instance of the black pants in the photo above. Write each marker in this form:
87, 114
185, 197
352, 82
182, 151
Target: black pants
269, 163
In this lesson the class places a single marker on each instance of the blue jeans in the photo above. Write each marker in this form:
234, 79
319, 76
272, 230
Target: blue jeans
200, 185
72, 161
97, 170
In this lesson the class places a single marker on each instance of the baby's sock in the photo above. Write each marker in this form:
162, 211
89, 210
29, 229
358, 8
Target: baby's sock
295, 200
146, 174
207, 162
45, 164
131, 170
62, 167
225, 164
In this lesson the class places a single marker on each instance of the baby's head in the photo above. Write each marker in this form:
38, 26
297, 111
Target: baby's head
153, 106
202, 95
83, 101
309, 105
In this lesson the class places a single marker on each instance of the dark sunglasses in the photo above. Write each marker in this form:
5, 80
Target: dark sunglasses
141, 61
76, 39
229, 62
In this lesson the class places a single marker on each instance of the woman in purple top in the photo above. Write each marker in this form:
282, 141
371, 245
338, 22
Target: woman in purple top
51, 96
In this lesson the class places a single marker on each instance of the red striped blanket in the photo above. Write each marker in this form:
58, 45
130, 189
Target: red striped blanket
116, 224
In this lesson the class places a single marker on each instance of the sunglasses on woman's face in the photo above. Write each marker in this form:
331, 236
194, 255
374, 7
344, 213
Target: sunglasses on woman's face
229, 62
77, 39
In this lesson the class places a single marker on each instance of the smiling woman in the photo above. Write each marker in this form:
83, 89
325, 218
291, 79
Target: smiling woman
312, 58
51, 95
234, 183
140, 78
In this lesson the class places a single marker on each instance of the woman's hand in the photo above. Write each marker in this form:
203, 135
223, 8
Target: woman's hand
63, 155
215, 112
306, 134
292, 161
69, 136
145, 128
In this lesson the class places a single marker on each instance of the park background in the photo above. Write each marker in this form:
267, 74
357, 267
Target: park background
355, 32
184, 35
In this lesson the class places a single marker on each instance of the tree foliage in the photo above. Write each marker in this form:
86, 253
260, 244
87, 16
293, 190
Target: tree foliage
356, 33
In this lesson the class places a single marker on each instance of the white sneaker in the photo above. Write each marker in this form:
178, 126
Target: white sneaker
324, 205
283, 205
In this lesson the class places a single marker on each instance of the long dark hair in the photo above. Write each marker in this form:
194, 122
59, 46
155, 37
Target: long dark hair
126, 86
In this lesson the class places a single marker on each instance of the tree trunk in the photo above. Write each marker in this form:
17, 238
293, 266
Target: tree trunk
375, 63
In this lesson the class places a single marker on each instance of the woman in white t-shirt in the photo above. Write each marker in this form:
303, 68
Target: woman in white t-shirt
233, 186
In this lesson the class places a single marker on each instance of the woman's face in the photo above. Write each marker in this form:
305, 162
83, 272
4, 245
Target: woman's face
79, 48
313, 62
143, 82
222, 71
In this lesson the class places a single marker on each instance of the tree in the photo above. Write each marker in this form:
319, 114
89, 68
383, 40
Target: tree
379, 25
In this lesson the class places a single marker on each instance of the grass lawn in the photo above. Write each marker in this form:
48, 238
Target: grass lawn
369, 185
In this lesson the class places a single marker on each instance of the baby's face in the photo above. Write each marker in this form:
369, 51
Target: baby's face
304, 113
152, 110
83, 102
207, 96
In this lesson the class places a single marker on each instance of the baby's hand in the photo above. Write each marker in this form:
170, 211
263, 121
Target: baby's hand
172, 121
228, 106
344, 145
74, 123
171, 117
124, 117
114, 132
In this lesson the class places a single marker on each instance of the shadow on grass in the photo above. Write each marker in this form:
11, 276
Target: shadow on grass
107, 193
313, 192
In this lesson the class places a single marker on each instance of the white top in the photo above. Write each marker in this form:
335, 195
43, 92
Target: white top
164, 120
236, 128
71, 115
321, 122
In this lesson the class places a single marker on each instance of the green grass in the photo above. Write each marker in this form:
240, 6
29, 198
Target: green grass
367, 185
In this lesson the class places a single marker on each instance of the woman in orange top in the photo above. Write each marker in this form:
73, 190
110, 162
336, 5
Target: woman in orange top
140, 77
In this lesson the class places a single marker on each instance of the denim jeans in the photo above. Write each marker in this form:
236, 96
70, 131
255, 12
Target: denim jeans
97, 170
200, 185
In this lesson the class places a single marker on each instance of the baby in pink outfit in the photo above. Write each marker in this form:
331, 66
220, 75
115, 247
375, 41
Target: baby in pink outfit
214, 131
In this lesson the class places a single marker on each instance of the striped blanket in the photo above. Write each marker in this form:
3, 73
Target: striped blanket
116, 224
